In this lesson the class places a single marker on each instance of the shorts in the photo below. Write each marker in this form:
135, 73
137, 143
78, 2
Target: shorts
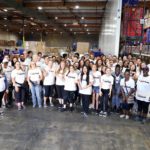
127, 106
20, 95
60, 91
48, 90
95, 89
143, 106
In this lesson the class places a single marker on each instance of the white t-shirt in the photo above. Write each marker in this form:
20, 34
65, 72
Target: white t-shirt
19, 76
60, 79
50, 78
2, 83
27, 61
143, 89
39, 64
106, 82
8, 72
127, 86
87, 91
71, 81
97, 78
34, 74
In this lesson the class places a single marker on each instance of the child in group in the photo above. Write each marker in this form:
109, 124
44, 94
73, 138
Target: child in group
96, 87
105, 91
127, 88
85, 83
116, 89
70, 88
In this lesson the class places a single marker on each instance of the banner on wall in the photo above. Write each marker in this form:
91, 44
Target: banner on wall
131, 23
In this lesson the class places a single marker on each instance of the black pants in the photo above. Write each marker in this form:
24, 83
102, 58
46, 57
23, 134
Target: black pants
20, 95
85, 102
69, 97
104, 100
60, 91
143, 106
1, 96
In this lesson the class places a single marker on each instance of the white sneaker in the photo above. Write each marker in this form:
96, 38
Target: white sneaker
127, 117
45, 106
105, 114
122, 116
101, 113
85, 115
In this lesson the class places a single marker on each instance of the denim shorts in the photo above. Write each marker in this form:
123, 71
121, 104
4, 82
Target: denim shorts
95, 89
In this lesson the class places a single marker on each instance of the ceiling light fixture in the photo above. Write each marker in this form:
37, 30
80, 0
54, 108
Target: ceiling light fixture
31, 18
60, 32
85, 25
54, 29
5, 25
87, 30
82, 18
5, 18
5, 10
65, 25
40, 8
77, 7
70, 29
74, 32
56, 18
45, 25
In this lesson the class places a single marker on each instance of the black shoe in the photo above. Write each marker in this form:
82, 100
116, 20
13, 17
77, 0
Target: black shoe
63, 109
71, 109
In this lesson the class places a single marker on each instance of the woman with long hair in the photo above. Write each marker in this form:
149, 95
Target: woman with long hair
34, 78
70, 88
60, 82
96, 84
18, 79
49, 82
85, 83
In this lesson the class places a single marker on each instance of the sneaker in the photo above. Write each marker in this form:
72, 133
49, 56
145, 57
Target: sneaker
19, 108
97, 112
127, 117
23, 107
144, 120
4, 106
51, 105
40, 106
63, 109
85, 115
45, 106
101, 113
122, 116
34, 106
71, 109
105, 114
1, 113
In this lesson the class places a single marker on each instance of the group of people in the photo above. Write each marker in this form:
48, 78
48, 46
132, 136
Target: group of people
101, 84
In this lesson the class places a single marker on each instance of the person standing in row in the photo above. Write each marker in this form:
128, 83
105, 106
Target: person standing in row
105, 91
116, 99
60, 82
3, 87
34, 79
85, 83
18, 78
70, 88
143, 95
127, 88
49, 81
96, 87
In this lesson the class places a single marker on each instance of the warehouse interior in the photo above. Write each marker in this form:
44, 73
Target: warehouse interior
53, 27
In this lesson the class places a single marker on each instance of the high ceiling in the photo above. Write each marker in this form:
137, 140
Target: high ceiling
59, 16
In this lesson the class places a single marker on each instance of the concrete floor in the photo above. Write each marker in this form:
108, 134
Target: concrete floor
48, 129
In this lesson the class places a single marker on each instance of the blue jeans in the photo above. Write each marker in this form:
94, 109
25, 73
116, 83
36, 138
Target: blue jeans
36, 95
116, 101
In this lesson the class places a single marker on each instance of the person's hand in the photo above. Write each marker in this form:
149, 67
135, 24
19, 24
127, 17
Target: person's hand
109, 94
16, 89
100, 93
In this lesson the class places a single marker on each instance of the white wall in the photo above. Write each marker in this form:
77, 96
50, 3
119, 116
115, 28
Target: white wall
8, 36
109, 37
